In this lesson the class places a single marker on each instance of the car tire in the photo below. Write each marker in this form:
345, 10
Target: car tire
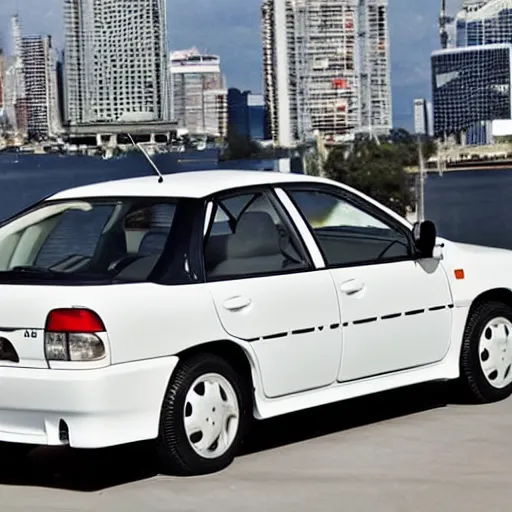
486, 356
204, 417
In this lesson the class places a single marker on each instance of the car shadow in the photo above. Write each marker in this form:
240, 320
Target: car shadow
95, 470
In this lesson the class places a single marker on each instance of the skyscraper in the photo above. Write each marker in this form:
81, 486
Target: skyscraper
39, 68
199, 96
471, 88
246, 114
14, 83
2, 70
471, 83
420, 116
328, 69
116, 61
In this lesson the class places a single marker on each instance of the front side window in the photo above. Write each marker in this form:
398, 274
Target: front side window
249, 236
88, 239
346, 233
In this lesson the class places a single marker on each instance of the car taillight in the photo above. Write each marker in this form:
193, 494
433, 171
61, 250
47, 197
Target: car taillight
71, 335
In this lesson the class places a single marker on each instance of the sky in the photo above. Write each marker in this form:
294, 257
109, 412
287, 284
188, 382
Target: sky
231, 29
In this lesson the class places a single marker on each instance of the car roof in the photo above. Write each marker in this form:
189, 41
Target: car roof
194, 184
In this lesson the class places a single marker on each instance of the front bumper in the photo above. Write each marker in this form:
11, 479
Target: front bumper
105, 407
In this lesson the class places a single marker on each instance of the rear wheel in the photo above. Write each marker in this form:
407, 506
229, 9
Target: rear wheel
204, 417
486, 357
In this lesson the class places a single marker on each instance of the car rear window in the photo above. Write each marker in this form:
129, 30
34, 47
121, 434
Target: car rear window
89, 238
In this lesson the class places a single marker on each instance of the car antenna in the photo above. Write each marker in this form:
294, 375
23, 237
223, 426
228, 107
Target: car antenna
148, 158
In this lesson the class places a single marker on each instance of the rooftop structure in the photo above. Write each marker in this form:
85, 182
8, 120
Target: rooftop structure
484, 22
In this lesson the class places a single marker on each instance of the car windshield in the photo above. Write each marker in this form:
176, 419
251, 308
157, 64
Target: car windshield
88, 239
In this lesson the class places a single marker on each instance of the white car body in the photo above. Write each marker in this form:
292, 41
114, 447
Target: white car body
309, 338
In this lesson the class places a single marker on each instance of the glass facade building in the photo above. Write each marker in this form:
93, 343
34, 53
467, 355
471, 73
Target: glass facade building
484, 22
471, 88
246, 114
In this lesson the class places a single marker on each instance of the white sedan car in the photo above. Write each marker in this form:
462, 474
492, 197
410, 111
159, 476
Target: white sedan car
178, 311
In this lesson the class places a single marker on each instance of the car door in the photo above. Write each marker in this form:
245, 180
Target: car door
395, 309
267, 292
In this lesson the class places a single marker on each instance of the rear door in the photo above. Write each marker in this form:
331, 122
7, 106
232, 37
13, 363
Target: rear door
267, 292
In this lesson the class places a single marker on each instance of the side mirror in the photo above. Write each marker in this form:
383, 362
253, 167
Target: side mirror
425, 234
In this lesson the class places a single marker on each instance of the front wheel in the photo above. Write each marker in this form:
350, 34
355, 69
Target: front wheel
486, 357
204, 417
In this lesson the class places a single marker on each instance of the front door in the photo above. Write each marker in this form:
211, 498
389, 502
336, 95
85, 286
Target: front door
396, 310
267, 294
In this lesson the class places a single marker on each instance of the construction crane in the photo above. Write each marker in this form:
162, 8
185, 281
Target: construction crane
444, 21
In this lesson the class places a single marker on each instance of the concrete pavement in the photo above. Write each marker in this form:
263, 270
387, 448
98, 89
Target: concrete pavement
399, 451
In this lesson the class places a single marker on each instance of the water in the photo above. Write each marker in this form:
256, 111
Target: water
472, 206
467, 206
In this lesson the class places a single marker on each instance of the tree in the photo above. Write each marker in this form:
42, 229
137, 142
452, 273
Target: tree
406, 146
239, 147
377, 170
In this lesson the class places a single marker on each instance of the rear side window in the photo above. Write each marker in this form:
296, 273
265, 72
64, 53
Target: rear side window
250, 236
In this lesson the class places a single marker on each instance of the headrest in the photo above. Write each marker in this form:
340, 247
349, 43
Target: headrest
153, 242
255, 235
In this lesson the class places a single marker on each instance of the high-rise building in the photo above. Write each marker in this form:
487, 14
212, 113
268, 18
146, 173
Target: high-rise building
484, 22
328, 70
420, 116
198, 93
14, 84
430, 118
2, 70
246, 114
39, 69
116, 61
471, 88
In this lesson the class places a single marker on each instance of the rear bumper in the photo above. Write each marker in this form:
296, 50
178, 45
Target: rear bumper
105, 407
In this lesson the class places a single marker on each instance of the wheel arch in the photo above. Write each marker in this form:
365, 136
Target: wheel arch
503, 295
235, 354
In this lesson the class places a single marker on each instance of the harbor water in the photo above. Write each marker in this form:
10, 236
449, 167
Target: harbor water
467, 206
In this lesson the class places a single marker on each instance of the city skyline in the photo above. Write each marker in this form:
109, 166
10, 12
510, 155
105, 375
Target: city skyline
213, 27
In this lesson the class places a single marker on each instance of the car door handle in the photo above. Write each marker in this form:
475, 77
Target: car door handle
237, 303
351, 287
